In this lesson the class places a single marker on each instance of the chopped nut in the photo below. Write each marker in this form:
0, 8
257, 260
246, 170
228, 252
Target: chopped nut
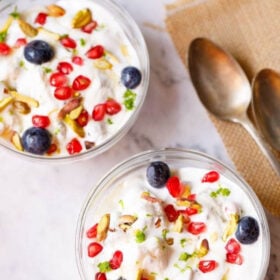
55, 11
179, 224
75, 113
82, 18
89, 144
126, 221
7, 24
158, 223
68, 107
203, 249
74, 126
231, 226
21, 107
143, 274
49, 33
183, 202
148, 197
27, 29
103, 227
103, 64
17, 141
27, 99
169, 241
5, 102
7, 133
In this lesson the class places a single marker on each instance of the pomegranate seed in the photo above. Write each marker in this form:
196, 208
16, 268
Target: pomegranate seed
94, 249
112, 107
64, 67
4, 49
207, 266
98, 112
41, 18
52, 149
189, 211
95, 52
92, 232
234, 258
174, 186
116, 261
171, 213
100, 276
63, 93
40, 121
20, 42
233, 246
196, 227
210, 177
88, 28
192, 197
82, 120
58, 80
68, 42
77, 60
74, 146
81, 83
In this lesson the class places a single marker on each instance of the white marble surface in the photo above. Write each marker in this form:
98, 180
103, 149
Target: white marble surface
40, 204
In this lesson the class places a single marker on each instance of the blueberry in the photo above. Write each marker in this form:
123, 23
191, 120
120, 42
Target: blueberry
38, 52
131, 77
36, 140
157, 174
247, 231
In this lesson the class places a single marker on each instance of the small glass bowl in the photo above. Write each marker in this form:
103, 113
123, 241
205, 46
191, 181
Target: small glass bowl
175, 158
136, 39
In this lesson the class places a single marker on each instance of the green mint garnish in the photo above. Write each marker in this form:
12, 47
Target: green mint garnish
15, 14
83, 42
129, 99
104, 267
140, 236
3, 36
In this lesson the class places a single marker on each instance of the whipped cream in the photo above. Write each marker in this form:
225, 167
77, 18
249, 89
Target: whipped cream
33, 81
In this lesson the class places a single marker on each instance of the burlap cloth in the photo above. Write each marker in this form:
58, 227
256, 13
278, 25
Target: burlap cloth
250, 31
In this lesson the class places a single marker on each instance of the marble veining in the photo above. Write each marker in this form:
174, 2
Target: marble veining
40, 204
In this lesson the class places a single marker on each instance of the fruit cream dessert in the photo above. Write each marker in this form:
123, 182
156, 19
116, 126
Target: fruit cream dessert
184, 224
69, 78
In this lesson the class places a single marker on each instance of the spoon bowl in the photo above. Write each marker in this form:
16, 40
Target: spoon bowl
224, 89
266, 104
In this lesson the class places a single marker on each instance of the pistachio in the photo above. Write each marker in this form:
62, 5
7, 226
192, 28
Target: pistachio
68, 107
183, 202
89, 145
126, 221
74, 126
49, 33
179, 224
103, 64
16, 141
103, 227
148, 197
21, 107
203, 249
27, 28
27, 99
5, 102
75, 113
55, 11
231, 226
158, 223
81, 18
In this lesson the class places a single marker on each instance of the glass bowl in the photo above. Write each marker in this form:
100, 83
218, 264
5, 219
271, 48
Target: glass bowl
136, 40
104, 196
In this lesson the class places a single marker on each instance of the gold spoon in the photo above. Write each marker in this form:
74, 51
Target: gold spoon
266, 104
223, 88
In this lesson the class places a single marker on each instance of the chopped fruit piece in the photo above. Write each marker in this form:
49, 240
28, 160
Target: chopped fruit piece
189, 211
126, 221
58, 80
94, 249
92, 232
112, 107
207, 266
20, 42
41, 18
234, 258
63, 93
100, 276
74, 146
174, 186
179, 224
196, 227
131, 77
116, 260
83, 118
40, 121
95, 52
4, 49
210, 177
233, 246
38, 52
157, 174
99, 112
64, 68
247, 230
88, 28
52, 149
68, 42
81, 83
77, 60
171, 213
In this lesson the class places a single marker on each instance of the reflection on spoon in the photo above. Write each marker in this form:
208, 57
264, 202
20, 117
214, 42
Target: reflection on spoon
223, 88
266, 103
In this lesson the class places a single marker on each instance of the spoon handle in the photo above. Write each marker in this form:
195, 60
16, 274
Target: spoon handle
274, 162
